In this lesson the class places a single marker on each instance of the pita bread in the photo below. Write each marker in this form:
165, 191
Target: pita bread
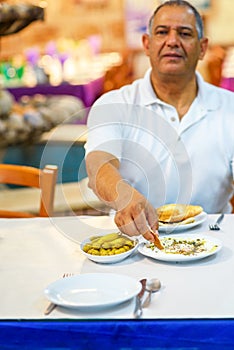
173, 213
183, 222
157, 242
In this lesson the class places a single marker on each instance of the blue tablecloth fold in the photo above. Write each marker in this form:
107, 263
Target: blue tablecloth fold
212, 334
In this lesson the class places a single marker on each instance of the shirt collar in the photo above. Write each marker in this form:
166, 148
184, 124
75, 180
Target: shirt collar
148, 95
207, 99
207, 96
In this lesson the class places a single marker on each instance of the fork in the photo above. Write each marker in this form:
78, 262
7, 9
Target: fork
215, 226
52, 306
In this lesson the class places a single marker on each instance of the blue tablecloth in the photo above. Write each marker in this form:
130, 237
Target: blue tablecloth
118, 334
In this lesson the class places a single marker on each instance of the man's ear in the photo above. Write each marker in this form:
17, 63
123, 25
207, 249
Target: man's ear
204, 46
145, 41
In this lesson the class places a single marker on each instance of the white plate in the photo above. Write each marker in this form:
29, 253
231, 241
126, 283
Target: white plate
170, 228
213, 245
92, 290
110, 259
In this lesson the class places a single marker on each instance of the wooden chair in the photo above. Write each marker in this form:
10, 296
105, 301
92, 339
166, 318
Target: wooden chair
43, 179
232, 201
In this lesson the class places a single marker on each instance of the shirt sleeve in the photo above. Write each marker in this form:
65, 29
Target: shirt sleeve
232, 165
105, 127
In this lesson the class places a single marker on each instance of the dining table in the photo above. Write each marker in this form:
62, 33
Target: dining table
194, 309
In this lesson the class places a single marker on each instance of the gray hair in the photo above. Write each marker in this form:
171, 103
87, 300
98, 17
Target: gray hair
182, 3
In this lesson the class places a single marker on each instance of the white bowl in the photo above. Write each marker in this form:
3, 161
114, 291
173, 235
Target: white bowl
109, 259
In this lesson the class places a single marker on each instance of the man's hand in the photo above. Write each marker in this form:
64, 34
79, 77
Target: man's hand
137, 217
134, 214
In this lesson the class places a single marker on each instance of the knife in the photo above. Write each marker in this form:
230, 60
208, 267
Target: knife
138, 307
50, 308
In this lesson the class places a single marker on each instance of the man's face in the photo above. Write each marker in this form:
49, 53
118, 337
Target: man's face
173, 45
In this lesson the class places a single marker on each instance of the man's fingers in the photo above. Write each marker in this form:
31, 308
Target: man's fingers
156, 241
139, 220
149, 236
152, 218
126, 225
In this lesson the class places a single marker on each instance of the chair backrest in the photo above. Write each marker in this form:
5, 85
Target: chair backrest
43, 179
232, 202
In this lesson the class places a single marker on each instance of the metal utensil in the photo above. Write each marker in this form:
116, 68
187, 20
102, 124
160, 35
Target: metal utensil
215, 226
152, 286
138, 306
52, 306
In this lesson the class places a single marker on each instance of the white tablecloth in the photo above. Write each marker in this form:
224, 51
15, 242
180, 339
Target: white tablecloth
36, 252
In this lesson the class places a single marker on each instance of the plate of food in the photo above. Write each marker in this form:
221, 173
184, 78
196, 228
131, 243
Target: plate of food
182, 248
92, 290
109, 248
179, 217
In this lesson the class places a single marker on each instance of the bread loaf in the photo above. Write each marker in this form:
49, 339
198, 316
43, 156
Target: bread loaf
173, 213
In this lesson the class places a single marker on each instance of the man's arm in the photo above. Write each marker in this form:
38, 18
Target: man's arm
133, 212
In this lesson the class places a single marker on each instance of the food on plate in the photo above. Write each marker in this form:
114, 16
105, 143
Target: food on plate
110, 244
178, 213
182, 246
156, 242
183, 222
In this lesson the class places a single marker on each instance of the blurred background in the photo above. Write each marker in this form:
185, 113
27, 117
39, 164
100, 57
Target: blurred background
78, 32
58, 56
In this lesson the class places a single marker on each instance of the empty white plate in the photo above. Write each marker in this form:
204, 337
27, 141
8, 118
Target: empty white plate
92, 290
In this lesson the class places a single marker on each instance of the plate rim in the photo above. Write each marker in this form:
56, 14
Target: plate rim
48, 290
177, 228
180, 257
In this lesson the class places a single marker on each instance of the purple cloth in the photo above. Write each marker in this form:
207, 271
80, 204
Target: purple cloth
227, 83
88, 93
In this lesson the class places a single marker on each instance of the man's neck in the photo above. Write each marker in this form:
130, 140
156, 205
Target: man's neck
177, 92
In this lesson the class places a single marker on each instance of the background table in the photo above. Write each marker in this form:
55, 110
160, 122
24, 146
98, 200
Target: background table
66, 153
88, 91
62, 146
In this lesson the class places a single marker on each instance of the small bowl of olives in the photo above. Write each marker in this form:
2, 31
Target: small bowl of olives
109, 248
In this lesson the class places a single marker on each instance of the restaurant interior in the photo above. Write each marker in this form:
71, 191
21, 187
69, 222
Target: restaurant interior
56, 58
78, 50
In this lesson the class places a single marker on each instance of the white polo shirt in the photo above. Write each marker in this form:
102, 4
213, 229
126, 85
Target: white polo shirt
168, 160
